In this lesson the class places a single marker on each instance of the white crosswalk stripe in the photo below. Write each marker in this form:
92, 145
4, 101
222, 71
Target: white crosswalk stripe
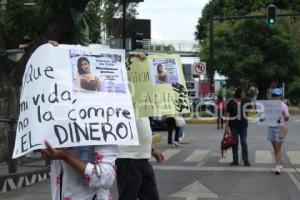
227, 157
294, 157
202, 155
197, 156
168, 154
264, 157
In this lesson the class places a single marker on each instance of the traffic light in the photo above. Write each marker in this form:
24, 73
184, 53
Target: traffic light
271, 14
137, 41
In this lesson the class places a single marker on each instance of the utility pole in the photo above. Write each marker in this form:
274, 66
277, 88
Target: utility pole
124, 23
211, 49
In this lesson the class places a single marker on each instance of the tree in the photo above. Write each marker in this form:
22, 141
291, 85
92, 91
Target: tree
252, 57
226, 8
250, 53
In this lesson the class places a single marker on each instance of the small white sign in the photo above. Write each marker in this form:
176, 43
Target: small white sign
269, 112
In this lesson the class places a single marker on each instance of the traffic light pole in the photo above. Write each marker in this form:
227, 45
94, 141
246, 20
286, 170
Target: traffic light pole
211, 69
124, 24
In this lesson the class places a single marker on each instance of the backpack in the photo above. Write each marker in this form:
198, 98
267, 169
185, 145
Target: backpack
227, 142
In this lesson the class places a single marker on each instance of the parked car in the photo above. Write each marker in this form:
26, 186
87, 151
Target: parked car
207, 103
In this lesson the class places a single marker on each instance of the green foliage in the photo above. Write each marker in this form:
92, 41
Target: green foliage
250, 53
20, 20
294, 89
223, 8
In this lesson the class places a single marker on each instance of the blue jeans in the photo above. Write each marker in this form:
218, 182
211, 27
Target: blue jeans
242, 132
180, 134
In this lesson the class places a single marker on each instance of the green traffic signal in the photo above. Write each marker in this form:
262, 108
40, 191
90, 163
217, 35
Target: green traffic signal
271, 21
271, 14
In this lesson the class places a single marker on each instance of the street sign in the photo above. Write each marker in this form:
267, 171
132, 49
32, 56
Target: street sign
193, 89
199, 68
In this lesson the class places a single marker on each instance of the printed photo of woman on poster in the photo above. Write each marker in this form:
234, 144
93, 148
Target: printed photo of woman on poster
85, 79
162, 76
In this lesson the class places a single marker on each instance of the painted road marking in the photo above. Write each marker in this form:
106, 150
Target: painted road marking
294, 180
168, 154
197, 156
227, 157
194, 191
264, 157
294, 157
220, 169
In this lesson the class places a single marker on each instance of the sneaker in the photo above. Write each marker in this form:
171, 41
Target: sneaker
276, 170
171, 145
176, 144
234, 163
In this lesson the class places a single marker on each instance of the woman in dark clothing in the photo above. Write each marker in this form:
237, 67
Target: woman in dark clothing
237, 123
171, 126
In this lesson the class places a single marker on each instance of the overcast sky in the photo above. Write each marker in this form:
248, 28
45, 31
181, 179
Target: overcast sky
172, 19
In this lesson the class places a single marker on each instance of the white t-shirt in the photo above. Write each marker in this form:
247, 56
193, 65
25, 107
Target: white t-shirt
143, 150
99, 174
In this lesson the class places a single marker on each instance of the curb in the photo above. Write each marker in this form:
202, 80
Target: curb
18, 180
156, 137
201, 121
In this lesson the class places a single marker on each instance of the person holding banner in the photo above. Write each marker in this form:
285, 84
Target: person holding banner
85, 79
135, 175
276, 134
81, 173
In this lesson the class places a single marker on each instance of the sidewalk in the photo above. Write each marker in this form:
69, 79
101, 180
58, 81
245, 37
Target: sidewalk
30, 170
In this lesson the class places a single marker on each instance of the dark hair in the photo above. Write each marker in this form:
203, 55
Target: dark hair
158, 66
79, 69
238, 93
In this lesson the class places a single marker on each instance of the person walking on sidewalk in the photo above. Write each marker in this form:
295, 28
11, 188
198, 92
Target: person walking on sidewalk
236, 122
135, 175
171, 123
276, 134
220, 105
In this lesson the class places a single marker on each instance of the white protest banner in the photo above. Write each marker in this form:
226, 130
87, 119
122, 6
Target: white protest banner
74, 96
269, 112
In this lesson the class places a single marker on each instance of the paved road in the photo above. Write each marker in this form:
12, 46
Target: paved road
195, 170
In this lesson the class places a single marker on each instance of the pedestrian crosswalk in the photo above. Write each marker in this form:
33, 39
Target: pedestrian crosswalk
294, 157
197, 155
263, 157
202, 155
